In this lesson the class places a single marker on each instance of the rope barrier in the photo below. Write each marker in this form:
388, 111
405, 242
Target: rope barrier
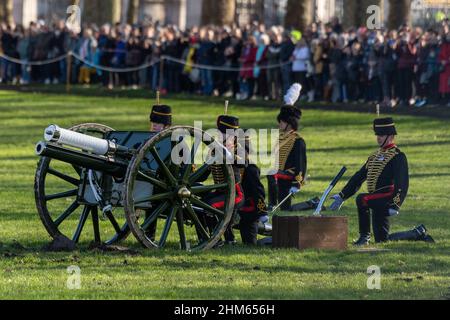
116, 70
218, 68
143, 66
33, 63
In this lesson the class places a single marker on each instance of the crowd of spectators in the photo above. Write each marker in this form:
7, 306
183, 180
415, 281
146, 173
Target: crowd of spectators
408, 66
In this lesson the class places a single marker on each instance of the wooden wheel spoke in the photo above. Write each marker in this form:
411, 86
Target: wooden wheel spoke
180, 225
205, 189
148, 178
188, 166
74, 206
113, 221
163, 166
64, 177
198, 225
154, 215
207, 207
60, 195
77, 169
198, 173
81, 223
168, 224
155, 197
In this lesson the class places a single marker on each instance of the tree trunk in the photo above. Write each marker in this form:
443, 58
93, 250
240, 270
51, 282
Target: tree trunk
299, 14
6, 11
133, 11
399, 13
91, 12
113, 10
102, 11
355, 12
218, 12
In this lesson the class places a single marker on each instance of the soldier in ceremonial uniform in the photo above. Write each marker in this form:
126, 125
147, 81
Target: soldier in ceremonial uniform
160, 119
250, 193
216, 199
291, 148
386, 173
254, 207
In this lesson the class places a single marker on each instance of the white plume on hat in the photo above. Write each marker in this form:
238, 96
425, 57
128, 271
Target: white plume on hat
293, 94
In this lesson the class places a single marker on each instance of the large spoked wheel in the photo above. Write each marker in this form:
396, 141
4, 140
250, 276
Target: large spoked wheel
180, 193
57, 188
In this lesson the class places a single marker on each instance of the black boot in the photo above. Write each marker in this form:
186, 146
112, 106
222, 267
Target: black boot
364, 240
417, 234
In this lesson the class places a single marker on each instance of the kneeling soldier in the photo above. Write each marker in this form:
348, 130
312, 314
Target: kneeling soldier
216, 199
386, 173
292, 160
160, 120
254, 207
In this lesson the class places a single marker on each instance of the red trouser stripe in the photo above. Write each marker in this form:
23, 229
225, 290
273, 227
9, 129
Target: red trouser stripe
279, 176
250, 208
238, 199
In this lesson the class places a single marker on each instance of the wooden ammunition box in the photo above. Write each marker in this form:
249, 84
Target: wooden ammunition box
328, 233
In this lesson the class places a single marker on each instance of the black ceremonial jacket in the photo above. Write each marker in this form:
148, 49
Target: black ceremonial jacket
386, 172
292, 158
254, 192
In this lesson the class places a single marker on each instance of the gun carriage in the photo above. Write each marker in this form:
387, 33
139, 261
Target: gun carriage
127, 182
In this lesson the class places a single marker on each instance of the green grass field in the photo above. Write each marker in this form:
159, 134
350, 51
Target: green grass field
334, 138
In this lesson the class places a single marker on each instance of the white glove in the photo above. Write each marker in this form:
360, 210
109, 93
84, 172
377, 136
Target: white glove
337, 203
393, 213
294, 190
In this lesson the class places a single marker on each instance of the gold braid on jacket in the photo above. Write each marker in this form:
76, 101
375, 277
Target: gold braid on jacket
375, 166
285, 145
217, 170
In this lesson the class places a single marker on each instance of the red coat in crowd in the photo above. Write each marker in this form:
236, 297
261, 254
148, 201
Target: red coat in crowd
444, 57
248, 59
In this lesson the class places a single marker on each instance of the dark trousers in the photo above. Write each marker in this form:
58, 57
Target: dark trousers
405, 77
380, 217
248, 226
216, 199
274, 83
388, 79
278, 191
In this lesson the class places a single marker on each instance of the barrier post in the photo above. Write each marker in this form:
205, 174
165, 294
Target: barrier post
68, 70
161, 74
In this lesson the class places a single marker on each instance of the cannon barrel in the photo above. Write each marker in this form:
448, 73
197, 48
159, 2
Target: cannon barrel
78, 140
115, 168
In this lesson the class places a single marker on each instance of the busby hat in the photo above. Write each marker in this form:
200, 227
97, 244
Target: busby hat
289, 113
384, 127
226, 122
161, 114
